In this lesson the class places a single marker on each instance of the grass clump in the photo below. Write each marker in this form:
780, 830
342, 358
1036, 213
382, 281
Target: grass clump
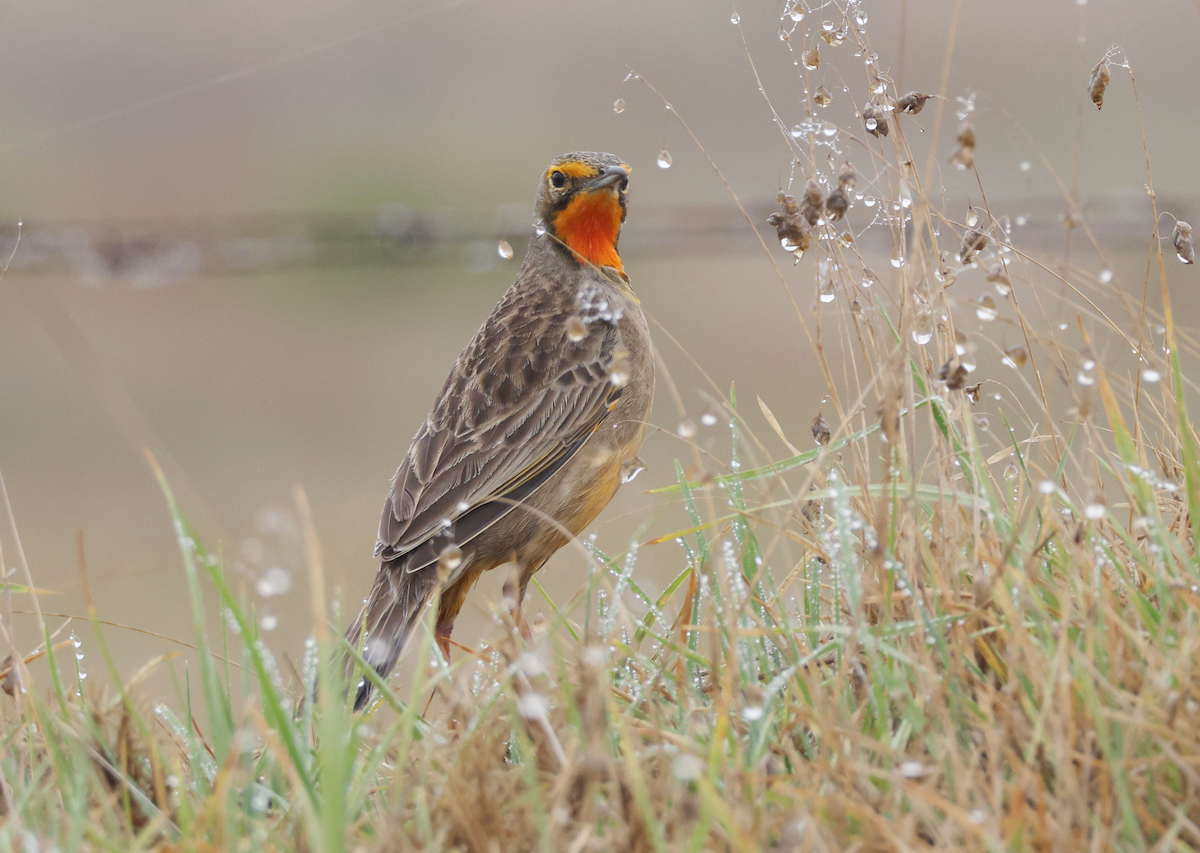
958, 622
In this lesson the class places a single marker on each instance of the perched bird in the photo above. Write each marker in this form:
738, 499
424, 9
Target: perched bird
537, 425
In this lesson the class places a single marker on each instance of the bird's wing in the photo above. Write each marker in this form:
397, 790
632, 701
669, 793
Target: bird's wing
521, 401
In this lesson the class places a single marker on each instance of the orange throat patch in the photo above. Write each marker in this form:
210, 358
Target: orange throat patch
589, 226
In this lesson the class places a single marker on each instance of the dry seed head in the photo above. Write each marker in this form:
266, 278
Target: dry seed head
1017, 355
964, 156
820, 430
814, 202
847, 177
973, 242
790, 227
912, 103
875, 120
972, 392
835, 36
837, 204
1182, 238
1098, 82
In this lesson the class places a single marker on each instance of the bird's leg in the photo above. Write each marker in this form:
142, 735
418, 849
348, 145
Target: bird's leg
441, 633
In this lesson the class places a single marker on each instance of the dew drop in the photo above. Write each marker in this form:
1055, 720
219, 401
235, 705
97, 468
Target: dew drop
576, 329
797, 11
450, 557
1025, 166
664, 158
1106, 276
923, 325
1012, 471
752, 713
1047, 487
825, 291
735, 19
1150, 376
911, 769
708, 419
274, 581
897, 259
986, 309
268, 622
1095, 511
686, 429
504, 250
630, 468
972, 217
619, 105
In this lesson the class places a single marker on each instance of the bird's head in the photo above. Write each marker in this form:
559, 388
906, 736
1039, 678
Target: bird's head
581, 204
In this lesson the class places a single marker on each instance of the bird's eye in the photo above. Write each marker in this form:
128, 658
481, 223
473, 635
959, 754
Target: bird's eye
558, 179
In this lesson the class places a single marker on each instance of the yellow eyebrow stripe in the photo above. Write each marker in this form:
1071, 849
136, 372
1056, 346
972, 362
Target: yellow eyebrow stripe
574, 169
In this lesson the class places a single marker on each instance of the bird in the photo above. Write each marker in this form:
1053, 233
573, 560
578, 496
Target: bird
535, 429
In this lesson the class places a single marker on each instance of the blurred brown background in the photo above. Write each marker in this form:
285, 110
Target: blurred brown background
256, 236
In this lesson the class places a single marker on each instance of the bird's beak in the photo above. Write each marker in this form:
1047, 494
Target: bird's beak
611, 176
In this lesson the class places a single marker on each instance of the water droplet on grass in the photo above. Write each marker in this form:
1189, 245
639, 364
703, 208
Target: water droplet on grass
1047, 487
1106, 276
630, 468
1025, 166
986, 310
708, 419
619, 105
576, 329
504, 250
450, 557
1095, 511
1150, 376
735, 19
752, 713
275, 581
911, 769
686, 429
825, 291
923, 325
664, 158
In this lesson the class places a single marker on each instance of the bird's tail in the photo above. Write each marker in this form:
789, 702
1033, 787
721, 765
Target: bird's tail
391, 611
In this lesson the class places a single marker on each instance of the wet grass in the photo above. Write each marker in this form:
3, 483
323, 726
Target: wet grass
968, 618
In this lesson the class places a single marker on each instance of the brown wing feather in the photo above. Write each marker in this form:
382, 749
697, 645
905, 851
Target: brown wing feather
494, 432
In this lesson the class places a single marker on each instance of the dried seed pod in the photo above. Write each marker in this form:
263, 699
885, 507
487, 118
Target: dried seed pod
814, 202
912, 103
822, 97
964, 156
837, 204
847, 178
1182, 238
790, 227
1017, 355
834, 37
972, 243
954, 375
812, 58
1098, 82
875, 120
820, 430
